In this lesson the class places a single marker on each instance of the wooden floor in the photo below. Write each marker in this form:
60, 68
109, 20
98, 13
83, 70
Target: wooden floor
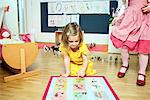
32, 88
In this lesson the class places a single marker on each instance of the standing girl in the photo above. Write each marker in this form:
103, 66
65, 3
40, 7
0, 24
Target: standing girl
75, 52
131, 32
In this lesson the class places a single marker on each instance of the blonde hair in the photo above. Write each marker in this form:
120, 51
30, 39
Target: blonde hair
71, 29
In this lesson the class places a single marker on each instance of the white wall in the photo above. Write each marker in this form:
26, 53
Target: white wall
34, 25
32, 22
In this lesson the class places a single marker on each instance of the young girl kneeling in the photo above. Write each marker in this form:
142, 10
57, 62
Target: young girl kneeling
75, 52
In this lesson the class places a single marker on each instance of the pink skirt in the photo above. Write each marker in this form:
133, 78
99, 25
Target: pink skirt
132, 30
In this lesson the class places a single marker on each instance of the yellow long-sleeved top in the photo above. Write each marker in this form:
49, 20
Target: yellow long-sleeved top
76, 60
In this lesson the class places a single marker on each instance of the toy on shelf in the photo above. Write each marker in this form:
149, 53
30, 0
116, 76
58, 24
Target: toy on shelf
25, 37
92, 45
4, 31
106, 57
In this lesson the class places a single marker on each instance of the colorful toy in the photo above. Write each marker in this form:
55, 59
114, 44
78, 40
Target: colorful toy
4, 32
92, 45
77, 88
25, 37
54, 49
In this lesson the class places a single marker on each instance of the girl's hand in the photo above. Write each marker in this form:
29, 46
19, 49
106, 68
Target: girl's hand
65, 75
114, 21
81, 73
146, 9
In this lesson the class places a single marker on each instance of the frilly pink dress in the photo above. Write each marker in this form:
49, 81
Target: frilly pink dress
132, 29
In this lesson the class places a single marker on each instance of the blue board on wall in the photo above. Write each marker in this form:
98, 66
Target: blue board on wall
95, 23
90, 23
44, 19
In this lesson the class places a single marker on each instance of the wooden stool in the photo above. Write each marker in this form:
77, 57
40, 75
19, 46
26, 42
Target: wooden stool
58, 35
20, 56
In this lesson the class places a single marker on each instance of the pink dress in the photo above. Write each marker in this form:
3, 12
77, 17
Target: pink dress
132, 29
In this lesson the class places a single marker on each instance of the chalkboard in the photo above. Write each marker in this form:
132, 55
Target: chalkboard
44, 19
95, 23
90, 23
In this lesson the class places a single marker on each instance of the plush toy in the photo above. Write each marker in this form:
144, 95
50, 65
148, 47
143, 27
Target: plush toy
26, 37
54, 49
92, 45
4, 33
46, 48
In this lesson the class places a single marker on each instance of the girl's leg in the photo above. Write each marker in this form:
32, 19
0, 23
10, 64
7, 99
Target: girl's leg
124, 56
124, 67
143, 61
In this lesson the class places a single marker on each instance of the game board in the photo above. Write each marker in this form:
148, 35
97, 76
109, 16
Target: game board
76, 88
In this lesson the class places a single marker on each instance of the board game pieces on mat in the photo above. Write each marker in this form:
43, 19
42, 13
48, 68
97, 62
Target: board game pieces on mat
77, 88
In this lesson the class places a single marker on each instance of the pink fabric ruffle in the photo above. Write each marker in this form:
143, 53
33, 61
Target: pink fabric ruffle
142, 46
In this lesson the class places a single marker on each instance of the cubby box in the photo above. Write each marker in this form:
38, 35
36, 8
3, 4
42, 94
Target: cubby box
58, 35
